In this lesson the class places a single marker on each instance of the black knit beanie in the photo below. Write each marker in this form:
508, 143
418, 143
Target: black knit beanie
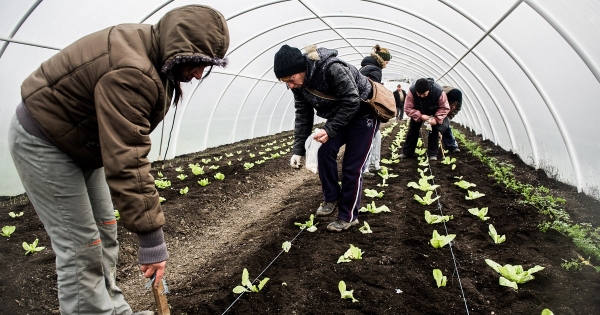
422, 86
288, 61
454, 96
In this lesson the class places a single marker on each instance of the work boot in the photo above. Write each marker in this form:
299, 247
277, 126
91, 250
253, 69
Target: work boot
144, 313
457, 150
340, 225
326, 208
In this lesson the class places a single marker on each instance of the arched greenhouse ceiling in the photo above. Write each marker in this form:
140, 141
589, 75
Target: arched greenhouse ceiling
529, 70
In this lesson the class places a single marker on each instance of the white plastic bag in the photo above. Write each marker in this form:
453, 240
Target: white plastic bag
312, 149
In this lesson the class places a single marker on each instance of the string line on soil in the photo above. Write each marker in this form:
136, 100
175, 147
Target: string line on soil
439, 206
267, 267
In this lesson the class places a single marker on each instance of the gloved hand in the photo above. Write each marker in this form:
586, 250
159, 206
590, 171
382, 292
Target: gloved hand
296, 161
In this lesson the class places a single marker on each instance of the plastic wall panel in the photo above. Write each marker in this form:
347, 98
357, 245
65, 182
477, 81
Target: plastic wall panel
12, 12
254, 112
485, 12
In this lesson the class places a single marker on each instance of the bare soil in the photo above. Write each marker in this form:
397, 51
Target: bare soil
214, 232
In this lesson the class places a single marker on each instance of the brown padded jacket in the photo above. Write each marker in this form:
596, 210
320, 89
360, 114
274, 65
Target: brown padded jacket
99, 98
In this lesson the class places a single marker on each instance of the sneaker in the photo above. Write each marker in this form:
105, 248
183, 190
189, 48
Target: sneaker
405, 156
374, 169
433, 158
144, 313
457, 150
368, 174
340, 225
326, 208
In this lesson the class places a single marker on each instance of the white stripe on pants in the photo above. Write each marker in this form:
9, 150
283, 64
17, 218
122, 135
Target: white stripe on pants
75, 207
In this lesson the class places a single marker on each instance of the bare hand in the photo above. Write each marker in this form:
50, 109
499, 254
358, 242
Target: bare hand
425, 117
321, 136
149, 270
432, 121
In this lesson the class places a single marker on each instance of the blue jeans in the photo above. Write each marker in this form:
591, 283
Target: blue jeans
75, 206
448, 140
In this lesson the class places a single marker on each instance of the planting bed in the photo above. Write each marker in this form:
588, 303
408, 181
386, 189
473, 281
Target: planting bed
214, 232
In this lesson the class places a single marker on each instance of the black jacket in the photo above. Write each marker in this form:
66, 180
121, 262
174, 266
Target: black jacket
371, 69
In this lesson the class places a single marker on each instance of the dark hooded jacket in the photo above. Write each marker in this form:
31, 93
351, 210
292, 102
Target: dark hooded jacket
332, 76
98, 99
371, 69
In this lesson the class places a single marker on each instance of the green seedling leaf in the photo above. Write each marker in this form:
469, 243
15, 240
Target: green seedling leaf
8, 230
15, 215
161, 199
365, 229
182, 176
511, 275
422, 173
228, 154
374, 209
464, 184
213, 167
453, 167
373, 193
184, 190
229, 163
497, 238
248, 166
252, 155
353, 253
206, 161
473, 195
390, 161
439, 278
421, 151
424, 162
434, 219
480, 213
426, 200
179, 169
32, 248
160, 175
258, 162
219, 176
247, 284
162, 184
447, 160
118, 215
286, 246
309, 225
439, 241
346, 294
196, 169
423, 185
217, 158
203, 182
547, 312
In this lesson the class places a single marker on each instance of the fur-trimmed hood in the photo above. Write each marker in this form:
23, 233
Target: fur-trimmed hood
377, 58
204, 37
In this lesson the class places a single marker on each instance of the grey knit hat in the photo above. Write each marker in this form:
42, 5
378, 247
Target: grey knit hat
288, 61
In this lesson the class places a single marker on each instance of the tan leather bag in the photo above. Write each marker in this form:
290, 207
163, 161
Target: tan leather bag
382, 102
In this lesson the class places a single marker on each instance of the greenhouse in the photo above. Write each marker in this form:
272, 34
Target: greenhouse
505, 222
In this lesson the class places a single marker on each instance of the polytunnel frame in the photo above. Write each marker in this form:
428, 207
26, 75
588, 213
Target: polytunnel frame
542, 13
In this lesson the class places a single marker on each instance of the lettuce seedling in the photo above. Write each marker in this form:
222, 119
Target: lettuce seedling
8, 230
252, 155
239, 159
464, 184
439, 241
15, 215
162, 199
353, 253
219, 176
423, 185
247, 285
309, 225
213, 167
447, 160
426, 200
390, 161
439, 278
424, 162
346, 294
229, 163
480, 213
203, 182
473, 195
421, 151
511, 276
286, 246
228, 154
32, 248
248, 166
182, 176
160, 175
422, 173
196, 169
374, 209
385, 175
497, 238
365, 229
373, 193
275, 155
259, 162
547, 312
184, 190
162, 184
217, 158
118, 215
206, 161
179, 169
433, 218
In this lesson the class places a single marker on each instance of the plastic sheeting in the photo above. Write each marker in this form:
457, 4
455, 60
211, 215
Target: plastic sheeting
529, 70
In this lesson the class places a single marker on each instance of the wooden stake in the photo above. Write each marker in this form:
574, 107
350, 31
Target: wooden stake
161, 300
